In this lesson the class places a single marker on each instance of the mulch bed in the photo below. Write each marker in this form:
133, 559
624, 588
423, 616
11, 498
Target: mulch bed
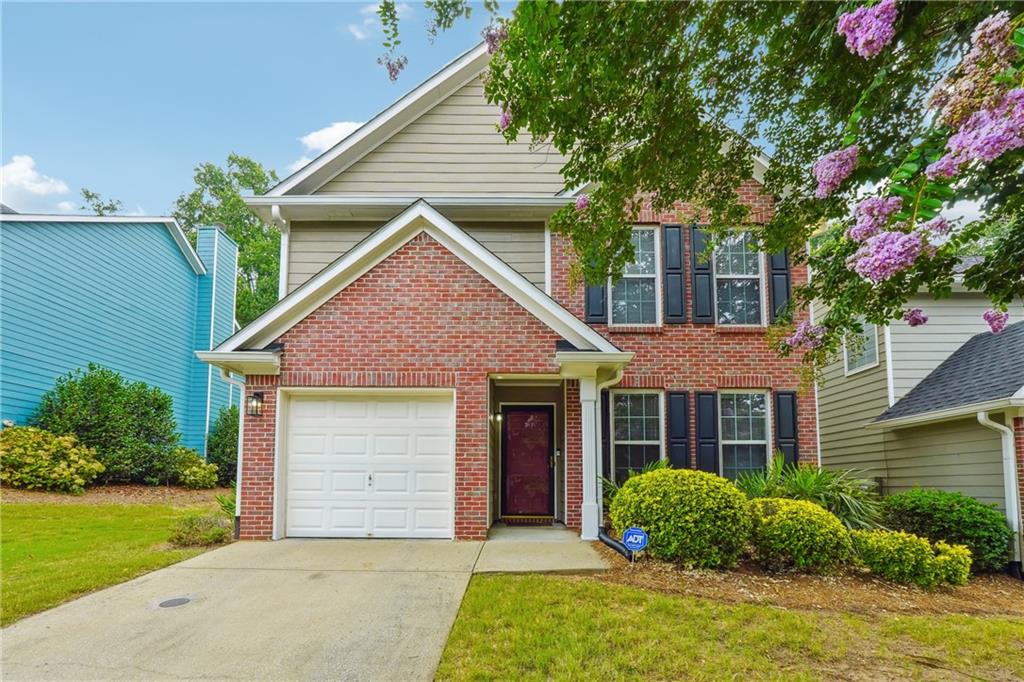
117, 494
992, 595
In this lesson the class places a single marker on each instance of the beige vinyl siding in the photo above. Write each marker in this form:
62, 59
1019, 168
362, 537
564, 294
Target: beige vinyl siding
916, 351
314, 245
453, 149
959, 455
845, 405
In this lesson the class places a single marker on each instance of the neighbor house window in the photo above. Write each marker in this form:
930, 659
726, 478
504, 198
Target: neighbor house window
743, 421
636, 432
634, 297
738, 287
861, 350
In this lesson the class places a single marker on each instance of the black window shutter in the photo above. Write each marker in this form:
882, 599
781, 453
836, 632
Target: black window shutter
596, 303
778, 267
785, 425
703, 280
675, 286
679, 429
606, 430
707, 432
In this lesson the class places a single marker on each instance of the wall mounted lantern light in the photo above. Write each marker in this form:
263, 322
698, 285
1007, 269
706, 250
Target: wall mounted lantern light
254, 405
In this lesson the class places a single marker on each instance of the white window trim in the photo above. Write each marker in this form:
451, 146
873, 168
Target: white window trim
863, 368
769, 426
658, 276
611, 425
762, 265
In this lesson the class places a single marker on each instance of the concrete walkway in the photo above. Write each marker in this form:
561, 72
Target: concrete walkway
289, 610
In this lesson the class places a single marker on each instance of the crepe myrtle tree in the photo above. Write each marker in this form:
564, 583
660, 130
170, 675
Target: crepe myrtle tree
877, 117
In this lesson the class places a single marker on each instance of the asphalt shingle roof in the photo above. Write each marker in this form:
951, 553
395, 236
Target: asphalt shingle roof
987, 367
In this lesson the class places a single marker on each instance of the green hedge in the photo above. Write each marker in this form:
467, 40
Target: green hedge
693, 517
39, 460
906, 558
797, 534
222, 445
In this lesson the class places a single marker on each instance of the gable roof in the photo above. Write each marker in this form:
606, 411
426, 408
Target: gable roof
170, 223
347, 151
986, 369
417, 218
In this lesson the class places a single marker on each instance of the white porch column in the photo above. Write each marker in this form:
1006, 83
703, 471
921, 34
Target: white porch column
591, 519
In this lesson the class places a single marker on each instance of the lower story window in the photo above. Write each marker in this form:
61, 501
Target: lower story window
636, 432
744, 432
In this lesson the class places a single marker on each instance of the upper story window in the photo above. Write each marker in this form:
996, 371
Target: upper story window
634, 297
743, 420
636, 431
739, 293
860, 351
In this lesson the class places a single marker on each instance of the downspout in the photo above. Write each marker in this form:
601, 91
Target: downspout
1010, 490
241, 430
283, 226
601, 387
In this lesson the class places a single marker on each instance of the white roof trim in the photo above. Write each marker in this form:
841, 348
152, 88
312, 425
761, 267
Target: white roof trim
243, 362
958, 412
420, 217
542, 200
361, 141
170, 223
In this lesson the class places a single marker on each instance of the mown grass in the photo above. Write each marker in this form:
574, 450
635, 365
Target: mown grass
51, 553
536, 627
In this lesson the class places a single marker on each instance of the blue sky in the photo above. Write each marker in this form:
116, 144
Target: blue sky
126, 98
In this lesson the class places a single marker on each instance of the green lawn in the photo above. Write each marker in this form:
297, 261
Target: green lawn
536, 627
54, 552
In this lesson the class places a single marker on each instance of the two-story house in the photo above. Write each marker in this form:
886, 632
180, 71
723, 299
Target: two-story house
429, 370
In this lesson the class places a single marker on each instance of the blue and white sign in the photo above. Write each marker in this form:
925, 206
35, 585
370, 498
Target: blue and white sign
634, 539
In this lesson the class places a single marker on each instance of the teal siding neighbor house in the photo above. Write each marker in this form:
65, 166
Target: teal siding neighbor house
130, 294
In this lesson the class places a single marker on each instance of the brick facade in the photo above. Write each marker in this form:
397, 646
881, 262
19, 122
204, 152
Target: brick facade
423, 318
1018, 443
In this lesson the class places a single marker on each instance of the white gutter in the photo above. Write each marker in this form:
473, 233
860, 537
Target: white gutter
961, 411
284, 226
241, 430
1010, 489
604, 385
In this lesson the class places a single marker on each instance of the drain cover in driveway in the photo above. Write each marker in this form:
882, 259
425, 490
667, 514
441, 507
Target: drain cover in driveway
171, 603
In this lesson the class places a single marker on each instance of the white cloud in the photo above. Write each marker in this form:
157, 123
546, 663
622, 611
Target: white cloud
357, 31
319, 141
66, 206
25, 189
370, 23
137, 212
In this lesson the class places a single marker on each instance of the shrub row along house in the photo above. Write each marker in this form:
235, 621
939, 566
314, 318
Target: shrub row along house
127, 293
429, 370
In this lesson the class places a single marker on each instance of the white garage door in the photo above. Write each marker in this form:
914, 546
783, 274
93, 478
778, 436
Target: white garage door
370, 467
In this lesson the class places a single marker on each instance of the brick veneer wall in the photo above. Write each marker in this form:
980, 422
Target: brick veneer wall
699, 357
1018, 438
421, 317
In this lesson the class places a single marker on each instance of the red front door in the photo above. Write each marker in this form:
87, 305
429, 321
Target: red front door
527, 454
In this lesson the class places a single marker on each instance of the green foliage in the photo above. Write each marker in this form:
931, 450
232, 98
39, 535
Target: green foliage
191, 470
217, 200
609, 487
222, 444
796, 534
953, 518
906, 558
130, 425
842, 492
693, 517
197, 530
97, 204
39, 460
227, 504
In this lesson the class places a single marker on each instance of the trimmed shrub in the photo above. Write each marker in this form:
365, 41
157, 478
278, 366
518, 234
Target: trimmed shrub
222, 445
843, 492
191, 470
796, 534
130, 425
197, 530
693, 517
906, 558
39, 460
955, 519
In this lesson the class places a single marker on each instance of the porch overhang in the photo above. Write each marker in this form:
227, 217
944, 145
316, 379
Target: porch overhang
600, 365
244, 362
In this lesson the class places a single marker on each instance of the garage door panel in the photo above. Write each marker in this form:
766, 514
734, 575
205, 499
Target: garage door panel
335, 444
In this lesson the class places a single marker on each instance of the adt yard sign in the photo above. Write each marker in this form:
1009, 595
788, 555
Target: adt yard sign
634, 539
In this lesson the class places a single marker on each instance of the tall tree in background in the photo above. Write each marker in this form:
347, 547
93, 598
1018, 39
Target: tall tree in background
97, 204
217, 200
913, 105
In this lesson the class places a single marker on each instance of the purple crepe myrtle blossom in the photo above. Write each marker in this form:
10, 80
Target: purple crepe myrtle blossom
504, 120
915, 317
872, 215
984, 137
991, 40
943, 169
996, 320
494, 36
869, 29
887, 253
806, 335
937, 226
394, 66
582, 202
832, 169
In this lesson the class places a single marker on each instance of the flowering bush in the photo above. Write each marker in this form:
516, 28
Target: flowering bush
888, 253
796, 534
906, 558
869, 29
192, 471
915, 317
872, 215
806, 335
832, 170
39, 460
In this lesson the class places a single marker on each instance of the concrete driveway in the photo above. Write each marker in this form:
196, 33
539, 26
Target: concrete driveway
288, 610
